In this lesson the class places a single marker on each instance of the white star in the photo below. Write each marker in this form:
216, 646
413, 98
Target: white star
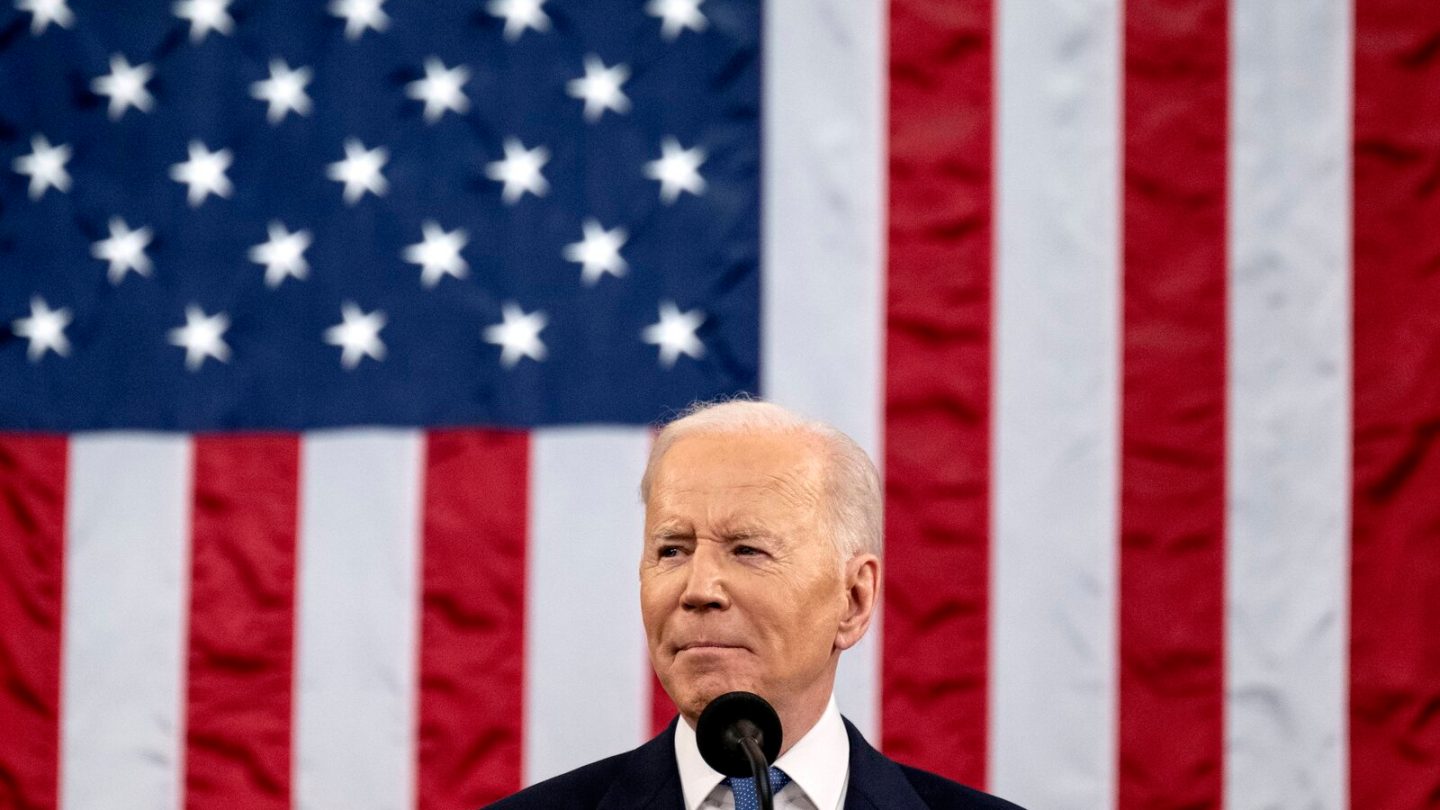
205, 16
674, 333
600, 88
202, 336
439, 254
204, 173
440, 89
677, 15
45, 329
360, 170
125, 85
598, 252
677, 170
44, 12
357, 335
45, 166
360, 15
520, 171
283, 255
518, 336
125, 250
520, 15
284, 91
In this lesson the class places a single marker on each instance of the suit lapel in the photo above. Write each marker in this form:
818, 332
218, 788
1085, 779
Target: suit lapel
649, 779
876, 782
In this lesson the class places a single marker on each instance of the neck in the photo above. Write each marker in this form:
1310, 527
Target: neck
798, 715
796, 722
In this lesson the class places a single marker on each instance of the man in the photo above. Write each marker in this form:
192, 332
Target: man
759, 568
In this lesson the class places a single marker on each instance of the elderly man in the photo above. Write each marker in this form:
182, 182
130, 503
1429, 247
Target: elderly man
759, 568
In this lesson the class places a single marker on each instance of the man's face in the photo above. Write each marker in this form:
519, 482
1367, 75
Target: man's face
739, 585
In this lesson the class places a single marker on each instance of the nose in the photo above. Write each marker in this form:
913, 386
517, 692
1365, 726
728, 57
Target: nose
705, 581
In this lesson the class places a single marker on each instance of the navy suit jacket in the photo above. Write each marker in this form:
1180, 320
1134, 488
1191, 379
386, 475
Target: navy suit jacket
649, 778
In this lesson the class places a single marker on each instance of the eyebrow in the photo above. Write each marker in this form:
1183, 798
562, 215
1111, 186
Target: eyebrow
676, 530
742, 531
672, 530
746, 533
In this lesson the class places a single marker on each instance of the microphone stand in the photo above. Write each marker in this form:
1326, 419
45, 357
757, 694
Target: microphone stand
758, 765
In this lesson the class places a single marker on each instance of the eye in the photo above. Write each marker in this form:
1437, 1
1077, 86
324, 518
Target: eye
669, 551
747, 551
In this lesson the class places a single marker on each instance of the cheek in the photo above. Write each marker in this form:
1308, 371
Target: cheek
798, 614
817, 610
660, 593
649, 591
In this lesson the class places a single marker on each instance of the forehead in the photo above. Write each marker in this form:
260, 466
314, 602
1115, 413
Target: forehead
755, 468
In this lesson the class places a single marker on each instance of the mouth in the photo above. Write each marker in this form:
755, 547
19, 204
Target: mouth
707, 646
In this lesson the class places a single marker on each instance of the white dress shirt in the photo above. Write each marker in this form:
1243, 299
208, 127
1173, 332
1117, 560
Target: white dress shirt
818, 766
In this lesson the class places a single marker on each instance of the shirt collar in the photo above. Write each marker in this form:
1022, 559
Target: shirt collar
819, 763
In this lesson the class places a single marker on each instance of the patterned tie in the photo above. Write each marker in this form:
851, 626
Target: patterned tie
744, 789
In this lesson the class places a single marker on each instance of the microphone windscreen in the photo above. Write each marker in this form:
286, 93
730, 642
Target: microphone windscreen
726, 721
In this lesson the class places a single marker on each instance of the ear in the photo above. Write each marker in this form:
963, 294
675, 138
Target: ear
862, 590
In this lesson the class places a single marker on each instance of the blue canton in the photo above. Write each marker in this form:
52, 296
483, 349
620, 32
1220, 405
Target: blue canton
247, 215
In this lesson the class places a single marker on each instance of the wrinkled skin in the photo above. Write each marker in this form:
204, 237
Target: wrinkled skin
740, 585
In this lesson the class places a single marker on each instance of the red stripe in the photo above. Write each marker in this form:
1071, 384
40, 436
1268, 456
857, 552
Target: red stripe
242, 620
32, 552
1395, 575
937, 421
1172, 544
473, 617
662, 708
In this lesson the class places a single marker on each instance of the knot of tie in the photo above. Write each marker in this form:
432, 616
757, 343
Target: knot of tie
746, 798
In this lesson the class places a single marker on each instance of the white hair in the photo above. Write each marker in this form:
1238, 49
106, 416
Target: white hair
851, 488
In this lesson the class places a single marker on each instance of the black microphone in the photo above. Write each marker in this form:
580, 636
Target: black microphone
739, 735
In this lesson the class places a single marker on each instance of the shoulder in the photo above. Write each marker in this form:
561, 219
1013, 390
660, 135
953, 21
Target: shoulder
583, 787
644, 777
937, 791
877, 781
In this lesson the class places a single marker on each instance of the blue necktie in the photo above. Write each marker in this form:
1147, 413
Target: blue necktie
744, 789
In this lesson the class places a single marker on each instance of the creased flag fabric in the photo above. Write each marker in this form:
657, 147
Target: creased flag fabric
333, 335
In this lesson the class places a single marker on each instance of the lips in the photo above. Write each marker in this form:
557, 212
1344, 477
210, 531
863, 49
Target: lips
708, 645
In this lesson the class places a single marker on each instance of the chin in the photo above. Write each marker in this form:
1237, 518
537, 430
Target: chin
693, 693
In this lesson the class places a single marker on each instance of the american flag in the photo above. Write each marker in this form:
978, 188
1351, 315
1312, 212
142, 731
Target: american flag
331, 336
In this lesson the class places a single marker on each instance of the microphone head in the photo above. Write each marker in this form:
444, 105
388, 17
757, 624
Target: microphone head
727, 720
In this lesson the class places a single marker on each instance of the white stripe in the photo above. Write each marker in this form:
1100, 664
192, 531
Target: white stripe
356, 614
126, 598
587, 669
1289, 405
823, 236
1057, 328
